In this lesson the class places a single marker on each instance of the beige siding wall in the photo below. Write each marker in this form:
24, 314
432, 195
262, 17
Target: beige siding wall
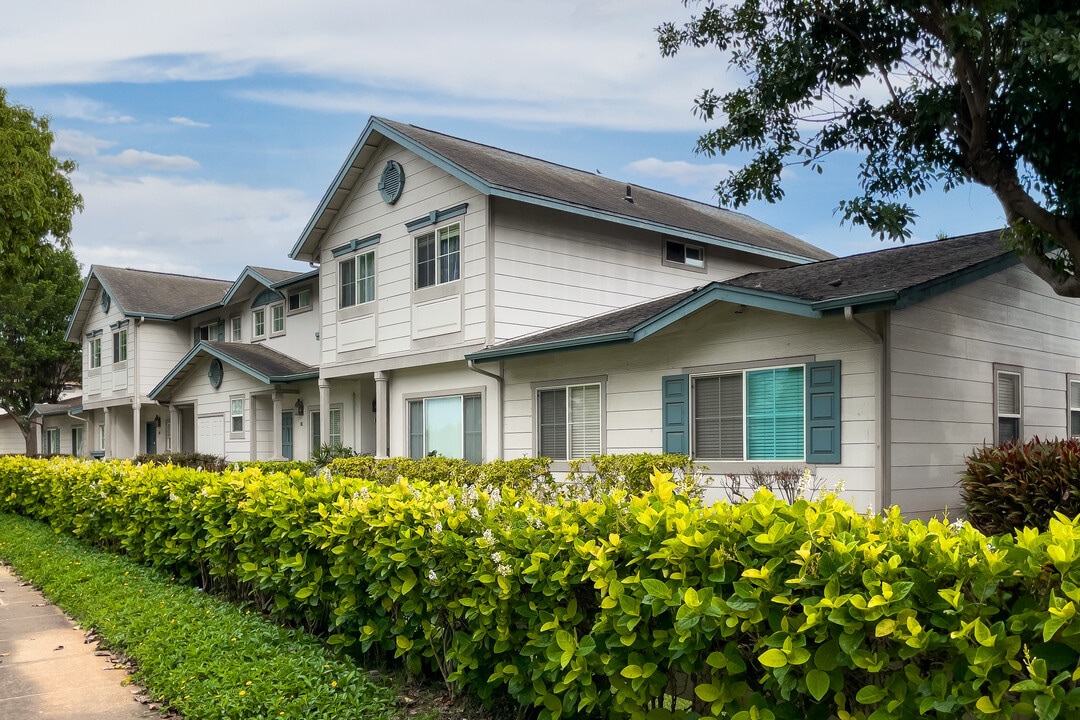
160, 347
552, 268
401, 320
942, 361
715, 336
11, 438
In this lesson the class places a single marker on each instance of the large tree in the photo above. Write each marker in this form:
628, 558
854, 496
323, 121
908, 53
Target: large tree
36, 360
929, 93
37, 200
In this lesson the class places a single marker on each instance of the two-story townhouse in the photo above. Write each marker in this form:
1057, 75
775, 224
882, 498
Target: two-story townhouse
179, 363
431, 247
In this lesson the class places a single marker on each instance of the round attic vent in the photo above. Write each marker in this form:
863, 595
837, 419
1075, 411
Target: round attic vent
392, 182
215, 373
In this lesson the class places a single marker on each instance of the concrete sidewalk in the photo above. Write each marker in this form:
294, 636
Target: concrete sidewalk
47, 670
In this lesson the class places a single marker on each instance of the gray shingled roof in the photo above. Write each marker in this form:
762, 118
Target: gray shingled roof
73, 404
263, 360
276, 276
896, 268
141, 292
543, 179
920, 270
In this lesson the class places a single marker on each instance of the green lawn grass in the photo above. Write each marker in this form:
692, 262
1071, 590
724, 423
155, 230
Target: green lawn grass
198, 655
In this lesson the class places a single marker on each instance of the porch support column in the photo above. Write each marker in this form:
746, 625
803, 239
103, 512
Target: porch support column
139, 435
108, 433
277, 425
253, 417
382, 414
324, 412
173, 444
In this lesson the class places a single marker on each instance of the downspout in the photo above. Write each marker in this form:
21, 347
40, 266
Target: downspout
882, 474
499, 405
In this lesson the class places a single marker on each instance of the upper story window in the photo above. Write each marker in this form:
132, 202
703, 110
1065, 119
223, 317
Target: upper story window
300, 300
235, 329
438, 256
277, 319
94, 351
258, 323
210, 331
120, 350
357, 280
676, 251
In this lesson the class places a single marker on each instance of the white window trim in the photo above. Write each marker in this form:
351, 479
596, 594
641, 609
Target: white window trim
1018, 373
478, 391
237, 434
1071, 407
92, 345
742, 369
117, 346
357, 303
296, 293
273, 332
255, 334
236, 329
684, 264
329, 439
52, 447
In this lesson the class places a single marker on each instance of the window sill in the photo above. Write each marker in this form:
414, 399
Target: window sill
354, 311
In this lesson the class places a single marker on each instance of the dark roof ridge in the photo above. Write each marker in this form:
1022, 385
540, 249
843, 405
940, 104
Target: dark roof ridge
156, 272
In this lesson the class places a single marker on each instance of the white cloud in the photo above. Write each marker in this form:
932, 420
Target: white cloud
139, 158
681, 172
83, 108
594, 64
188, 122
199, 228
72, 143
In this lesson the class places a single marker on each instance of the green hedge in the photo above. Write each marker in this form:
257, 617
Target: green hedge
617, 607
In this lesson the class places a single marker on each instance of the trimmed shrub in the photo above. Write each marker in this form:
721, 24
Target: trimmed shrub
649, 606
199, 461
272, 466
1013, 486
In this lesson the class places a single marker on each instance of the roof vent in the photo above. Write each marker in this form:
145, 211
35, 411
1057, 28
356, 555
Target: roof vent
629, 196
392, 182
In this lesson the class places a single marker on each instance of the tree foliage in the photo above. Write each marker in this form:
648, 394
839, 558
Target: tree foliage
37, 199
936, 93
36, 360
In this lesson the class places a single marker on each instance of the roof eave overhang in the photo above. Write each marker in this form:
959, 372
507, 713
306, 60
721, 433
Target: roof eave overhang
683, 233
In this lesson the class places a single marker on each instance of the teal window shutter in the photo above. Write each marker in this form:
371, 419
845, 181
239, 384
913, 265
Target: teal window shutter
676, 413
823, 412
221, 331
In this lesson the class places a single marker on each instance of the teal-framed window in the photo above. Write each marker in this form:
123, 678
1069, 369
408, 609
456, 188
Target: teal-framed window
357, 280
449, 425
750, 415
94, 351
438, 256
52, 441
569, 421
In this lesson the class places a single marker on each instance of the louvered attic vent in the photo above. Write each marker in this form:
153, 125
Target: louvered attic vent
392, 182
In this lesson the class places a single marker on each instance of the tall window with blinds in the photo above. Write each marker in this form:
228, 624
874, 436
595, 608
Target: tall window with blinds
1074, 406
569, 421
1008, 393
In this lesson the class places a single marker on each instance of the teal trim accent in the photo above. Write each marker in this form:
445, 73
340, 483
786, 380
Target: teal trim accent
436, 216
216, 352
266, 297
356, 244
823, 412
392, 182
551, 347
922, 293
675, 409
309, 275
120, 324
94, 333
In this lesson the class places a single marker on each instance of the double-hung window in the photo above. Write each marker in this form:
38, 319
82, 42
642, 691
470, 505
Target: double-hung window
258, 323
1008, 405
236, 332
1074, 406
120, 345
211, 331
277, 319
357, 280
94, 351
237, 415
438, 256
568, 421
450, 426
52, 441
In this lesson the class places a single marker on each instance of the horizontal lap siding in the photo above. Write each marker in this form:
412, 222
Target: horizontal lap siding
427, 188
714, 335
551, 268
942, 361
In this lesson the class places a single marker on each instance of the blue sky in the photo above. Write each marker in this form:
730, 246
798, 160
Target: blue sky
206, 133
